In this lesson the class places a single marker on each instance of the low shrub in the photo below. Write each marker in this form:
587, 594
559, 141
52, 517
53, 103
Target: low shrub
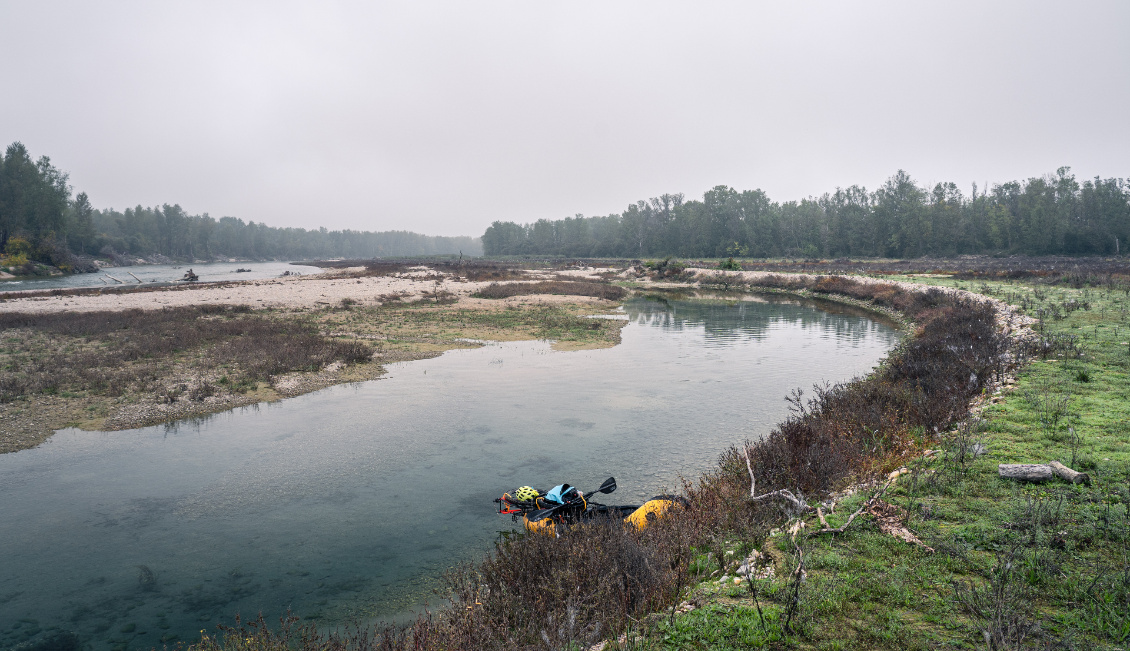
115, 352
560, 287
850, 428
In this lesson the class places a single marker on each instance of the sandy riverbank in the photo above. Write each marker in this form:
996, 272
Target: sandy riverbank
295, 292
341, 305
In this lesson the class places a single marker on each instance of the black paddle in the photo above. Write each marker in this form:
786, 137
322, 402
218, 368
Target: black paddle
608, 486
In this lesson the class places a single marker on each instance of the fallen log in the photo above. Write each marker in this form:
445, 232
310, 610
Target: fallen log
1070, 475
1038, 472
1034, 472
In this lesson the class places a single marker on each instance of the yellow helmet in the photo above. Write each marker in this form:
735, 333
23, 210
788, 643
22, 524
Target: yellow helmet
525, 494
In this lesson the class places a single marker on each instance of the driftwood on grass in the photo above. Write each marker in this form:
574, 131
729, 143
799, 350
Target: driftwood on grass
890, 519
888, 516
1069, 474
1025, 471
866, 505
1039, 472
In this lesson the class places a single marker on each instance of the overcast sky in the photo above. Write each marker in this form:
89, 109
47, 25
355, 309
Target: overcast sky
441, 117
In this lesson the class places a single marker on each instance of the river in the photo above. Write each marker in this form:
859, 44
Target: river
161, 274
347, 504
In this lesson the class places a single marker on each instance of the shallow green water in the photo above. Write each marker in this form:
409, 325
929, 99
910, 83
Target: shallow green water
348, 503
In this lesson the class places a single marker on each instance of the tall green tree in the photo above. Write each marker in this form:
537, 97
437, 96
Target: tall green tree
34, 196
81, 223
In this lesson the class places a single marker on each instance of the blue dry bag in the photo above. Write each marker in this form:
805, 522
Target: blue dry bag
561, 493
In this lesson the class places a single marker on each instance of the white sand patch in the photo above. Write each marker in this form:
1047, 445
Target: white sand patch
291, 292
299, 292
586, 272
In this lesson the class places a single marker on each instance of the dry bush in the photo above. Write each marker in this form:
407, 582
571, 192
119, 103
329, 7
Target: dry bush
925, 385
560, 287
120, 351
1093, 271
473, 269
539, 591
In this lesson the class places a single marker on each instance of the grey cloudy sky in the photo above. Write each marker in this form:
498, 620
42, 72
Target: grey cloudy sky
441, 117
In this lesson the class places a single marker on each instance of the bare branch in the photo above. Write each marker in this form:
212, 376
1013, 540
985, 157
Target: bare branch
851, 517
798, 505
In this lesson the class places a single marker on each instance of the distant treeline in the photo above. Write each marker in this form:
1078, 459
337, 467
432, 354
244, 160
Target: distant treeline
169, 231
40, 221
1041, 216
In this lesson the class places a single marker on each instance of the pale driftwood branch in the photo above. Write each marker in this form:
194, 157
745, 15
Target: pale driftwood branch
752, 479
1069, 474
1035, 472
890, 519
851, 517
798, 504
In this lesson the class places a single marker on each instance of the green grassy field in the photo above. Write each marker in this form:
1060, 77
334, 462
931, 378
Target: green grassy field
1013, 565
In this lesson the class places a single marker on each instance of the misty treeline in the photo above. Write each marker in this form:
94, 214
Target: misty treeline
1054, 214
40, 221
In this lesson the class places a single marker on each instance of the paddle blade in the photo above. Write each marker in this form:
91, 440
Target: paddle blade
608, 486
541, 514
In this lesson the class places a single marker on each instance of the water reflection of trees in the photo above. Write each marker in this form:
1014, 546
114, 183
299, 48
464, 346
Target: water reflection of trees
732, 321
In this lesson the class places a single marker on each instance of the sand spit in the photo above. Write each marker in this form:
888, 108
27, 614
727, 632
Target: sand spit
27, 422
292, 292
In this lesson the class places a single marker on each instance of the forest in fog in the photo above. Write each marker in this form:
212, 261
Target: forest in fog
1054, 214
41, 222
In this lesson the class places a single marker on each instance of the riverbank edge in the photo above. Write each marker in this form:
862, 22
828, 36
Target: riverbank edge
1007, 318
720, 607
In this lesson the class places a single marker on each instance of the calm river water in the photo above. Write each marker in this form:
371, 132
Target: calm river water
159, 273
348, 503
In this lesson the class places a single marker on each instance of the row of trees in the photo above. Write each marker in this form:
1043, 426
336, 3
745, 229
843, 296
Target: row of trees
171, 232
40, 220
1054, 214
